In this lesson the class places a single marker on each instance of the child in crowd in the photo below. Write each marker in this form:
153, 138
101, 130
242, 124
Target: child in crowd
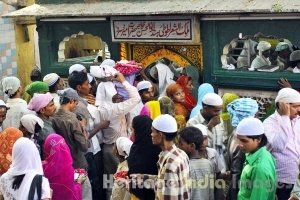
202, 169
121, 150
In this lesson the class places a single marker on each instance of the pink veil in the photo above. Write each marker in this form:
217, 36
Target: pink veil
59, 170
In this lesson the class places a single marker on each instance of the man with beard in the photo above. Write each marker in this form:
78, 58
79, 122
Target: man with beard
209, 116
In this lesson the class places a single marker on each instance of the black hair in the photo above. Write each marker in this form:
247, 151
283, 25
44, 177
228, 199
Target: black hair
143, 90
192, 135
169, 136
52, 87
64, 100
263, 141
12, 95
37, 128
77, 78
35, 75
4, 107
17, 181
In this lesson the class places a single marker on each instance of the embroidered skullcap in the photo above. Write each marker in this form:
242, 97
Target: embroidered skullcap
108, 62
288, 95
212, 99
68, 93
202, 128
250, 127
165, 123
30, 120
76, 67
281, 46
10, 85
143, 85
263, 46
51, 78
123, 146
102, 71
39, 101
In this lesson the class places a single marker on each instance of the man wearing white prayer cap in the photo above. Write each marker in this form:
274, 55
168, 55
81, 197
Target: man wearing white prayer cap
172, 162
262, 59
209, 117
146, 91
77, 67
11, 86
282, 129
259, 167
55, 83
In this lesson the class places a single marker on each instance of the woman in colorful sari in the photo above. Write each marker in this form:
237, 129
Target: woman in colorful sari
186, 83
7, 139
59, 170
202, 91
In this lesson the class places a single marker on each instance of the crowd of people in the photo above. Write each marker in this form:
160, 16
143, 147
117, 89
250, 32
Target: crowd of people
261, 53
108, 137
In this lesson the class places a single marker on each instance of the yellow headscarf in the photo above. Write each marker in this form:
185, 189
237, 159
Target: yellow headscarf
154, 108
227, 99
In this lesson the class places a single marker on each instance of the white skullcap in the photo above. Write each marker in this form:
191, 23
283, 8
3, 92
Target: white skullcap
2, 103
263, 46
10, 85
212, 99
165, 123
29, 121
143, 85
108, 62
50, 79
202, 128
90, 77
288, 95
102, 71
123, 146
250, 127
76, 67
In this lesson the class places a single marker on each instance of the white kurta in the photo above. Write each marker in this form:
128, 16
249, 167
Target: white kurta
17, 108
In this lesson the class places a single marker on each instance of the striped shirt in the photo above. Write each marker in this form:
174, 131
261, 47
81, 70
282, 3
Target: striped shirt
284, 143
173, 175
